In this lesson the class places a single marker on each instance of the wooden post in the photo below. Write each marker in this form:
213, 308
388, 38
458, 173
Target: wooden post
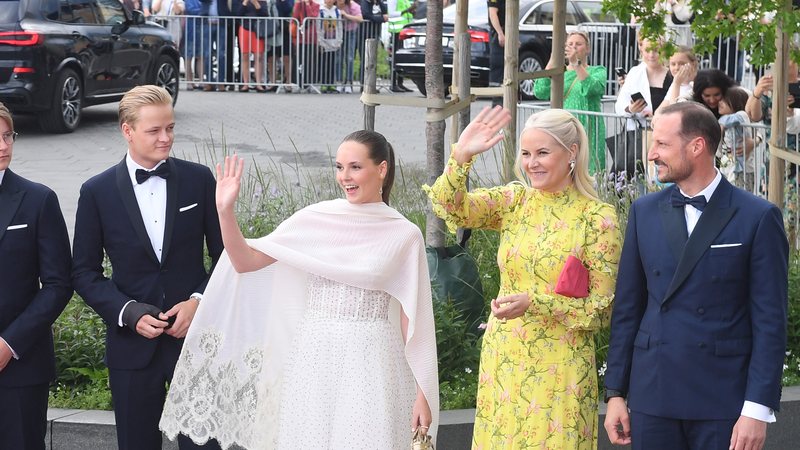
462, 12
557, 52
464, 83
777, 166
370, 80
511, 86
434, 131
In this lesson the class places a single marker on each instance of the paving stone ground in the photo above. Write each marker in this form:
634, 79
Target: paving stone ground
290, 131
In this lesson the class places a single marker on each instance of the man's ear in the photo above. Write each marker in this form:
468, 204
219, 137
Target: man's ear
127, 131
699, 146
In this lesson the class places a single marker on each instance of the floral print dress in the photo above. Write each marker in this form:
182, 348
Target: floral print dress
537, 386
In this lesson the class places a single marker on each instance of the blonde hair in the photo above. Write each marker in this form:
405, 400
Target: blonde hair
582, 34
5, 115
567, 130
684, 50
139, 97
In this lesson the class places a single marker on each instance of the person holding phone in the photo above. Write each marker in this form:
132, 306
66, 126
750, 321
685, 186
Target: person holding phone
584, 86
646, 86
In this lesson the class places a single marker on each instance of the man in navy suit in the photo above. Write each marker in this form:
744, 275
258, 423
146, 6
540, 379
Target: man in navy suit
151, 215
698, 330
34, 289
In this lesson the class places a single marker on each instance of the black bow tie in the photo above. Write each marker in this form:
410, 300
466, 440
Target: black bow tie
143, 175
680, 200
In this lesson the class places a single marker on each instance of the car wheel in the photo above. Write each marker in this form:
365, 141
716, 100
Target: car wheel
65, 113
528, 62
420, 84
166, 75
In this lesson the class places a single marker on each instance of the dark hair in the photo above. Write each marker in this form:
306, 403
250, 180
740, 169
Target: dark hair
736, 98
696, 121
379, 150
709, 78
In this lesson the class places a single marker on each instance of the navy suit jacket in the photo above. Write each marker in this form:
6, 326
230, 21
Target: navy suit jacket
699, 326
108, 221
34, 277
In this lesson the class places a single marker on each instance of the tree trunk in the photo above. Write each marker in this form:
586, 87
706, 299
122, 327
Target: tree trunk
434, 131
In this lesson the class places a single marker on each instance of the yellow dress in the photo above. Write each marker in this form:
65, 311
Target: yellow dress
537, 386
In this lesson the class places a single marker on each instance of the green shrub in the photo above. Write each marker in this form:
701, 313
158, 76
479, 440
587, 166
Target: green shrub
79, 337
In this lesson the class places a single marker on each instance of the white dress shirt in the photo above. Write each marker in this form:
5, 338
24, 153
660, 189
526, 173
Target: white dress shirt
151, 196
749, 409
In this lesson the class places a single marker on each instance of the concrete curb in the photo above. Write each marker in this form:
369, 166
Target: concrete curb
75, 429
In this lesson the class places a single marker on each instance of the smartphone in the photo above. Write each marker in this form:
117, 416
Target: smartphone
636, 96
620, 71
794, 91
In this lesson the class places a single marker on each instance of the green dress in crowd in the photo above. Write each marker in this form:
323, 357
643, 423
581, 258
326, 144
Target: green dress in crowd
584, 95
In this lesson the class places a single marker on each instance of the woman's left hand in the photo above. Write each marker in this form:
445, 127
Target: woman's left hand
510, 306
421, 413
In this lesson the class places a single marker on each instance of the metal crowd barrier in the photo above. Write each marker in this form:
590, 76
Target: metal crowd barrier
615, 45
321, 55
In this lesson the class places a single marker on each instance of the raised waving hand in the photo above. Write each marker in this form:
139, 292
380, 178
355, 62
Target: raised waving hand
483, 133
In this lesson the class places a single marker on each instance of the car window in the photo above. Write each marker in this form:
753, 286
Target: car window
77, 11
542, 14
594, 11
110, 12
478, 13
9, 12
50, 9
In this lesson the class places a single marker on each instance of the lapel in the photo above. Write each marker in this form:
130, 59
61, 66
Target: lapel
716, 215
674, 222
125, 186
10, 199
172, 201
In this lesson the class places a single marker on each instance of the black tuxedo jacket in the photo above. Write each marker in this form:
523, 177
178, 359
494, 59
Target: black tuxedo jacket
699, 322
108, 221
34, 277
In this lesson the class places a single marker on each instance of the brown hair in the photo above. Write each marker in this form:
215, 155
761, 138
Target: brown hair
378, 150
139, 97
736, 98
696, 121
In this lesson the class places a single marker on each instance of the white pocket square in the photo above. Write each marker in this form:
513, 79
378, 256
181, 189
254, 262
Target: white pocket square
17, 227
186, 208
738, 244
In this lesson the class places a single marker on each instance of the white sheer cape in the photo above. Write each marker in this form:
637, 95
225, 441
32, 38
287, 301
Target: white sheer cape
227, 382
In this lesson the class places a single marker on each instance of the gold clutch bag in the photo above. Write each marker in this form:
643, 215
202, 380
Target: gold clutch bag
421, 441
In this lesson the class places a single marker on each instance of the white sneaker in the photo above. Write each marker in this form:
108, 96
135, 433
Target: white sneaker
348, 90
339, 89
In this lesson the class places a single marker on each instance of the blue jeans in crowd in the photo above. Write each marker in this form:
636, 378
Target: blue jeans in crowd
215, 36
350, 44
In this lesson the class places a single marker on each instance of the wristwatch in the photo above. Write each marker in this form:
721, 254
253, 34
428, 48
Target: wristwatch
611, 393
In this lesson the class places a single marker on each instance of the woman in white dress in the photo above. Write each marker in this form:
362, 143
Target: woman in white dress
299, 342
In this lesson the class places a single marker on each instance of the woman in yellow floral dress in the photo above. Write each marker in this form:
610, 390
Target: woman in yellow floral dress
537, 386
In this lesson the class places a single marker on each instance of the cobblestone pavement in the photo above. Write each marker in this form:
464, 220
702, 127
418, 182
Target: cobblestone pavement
291, 130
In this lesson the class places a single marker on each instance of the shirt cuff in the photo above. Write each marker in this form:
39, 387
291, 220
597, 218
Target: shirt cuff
121, 311
197, 295
759, 412
13, 353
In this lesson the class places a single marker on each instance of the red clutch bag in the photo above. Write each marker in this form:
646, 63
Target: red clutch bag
573, 281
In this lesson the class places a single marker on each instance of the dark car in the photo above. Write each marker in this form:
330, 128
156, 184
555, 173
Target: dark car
58, 56
535, 35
